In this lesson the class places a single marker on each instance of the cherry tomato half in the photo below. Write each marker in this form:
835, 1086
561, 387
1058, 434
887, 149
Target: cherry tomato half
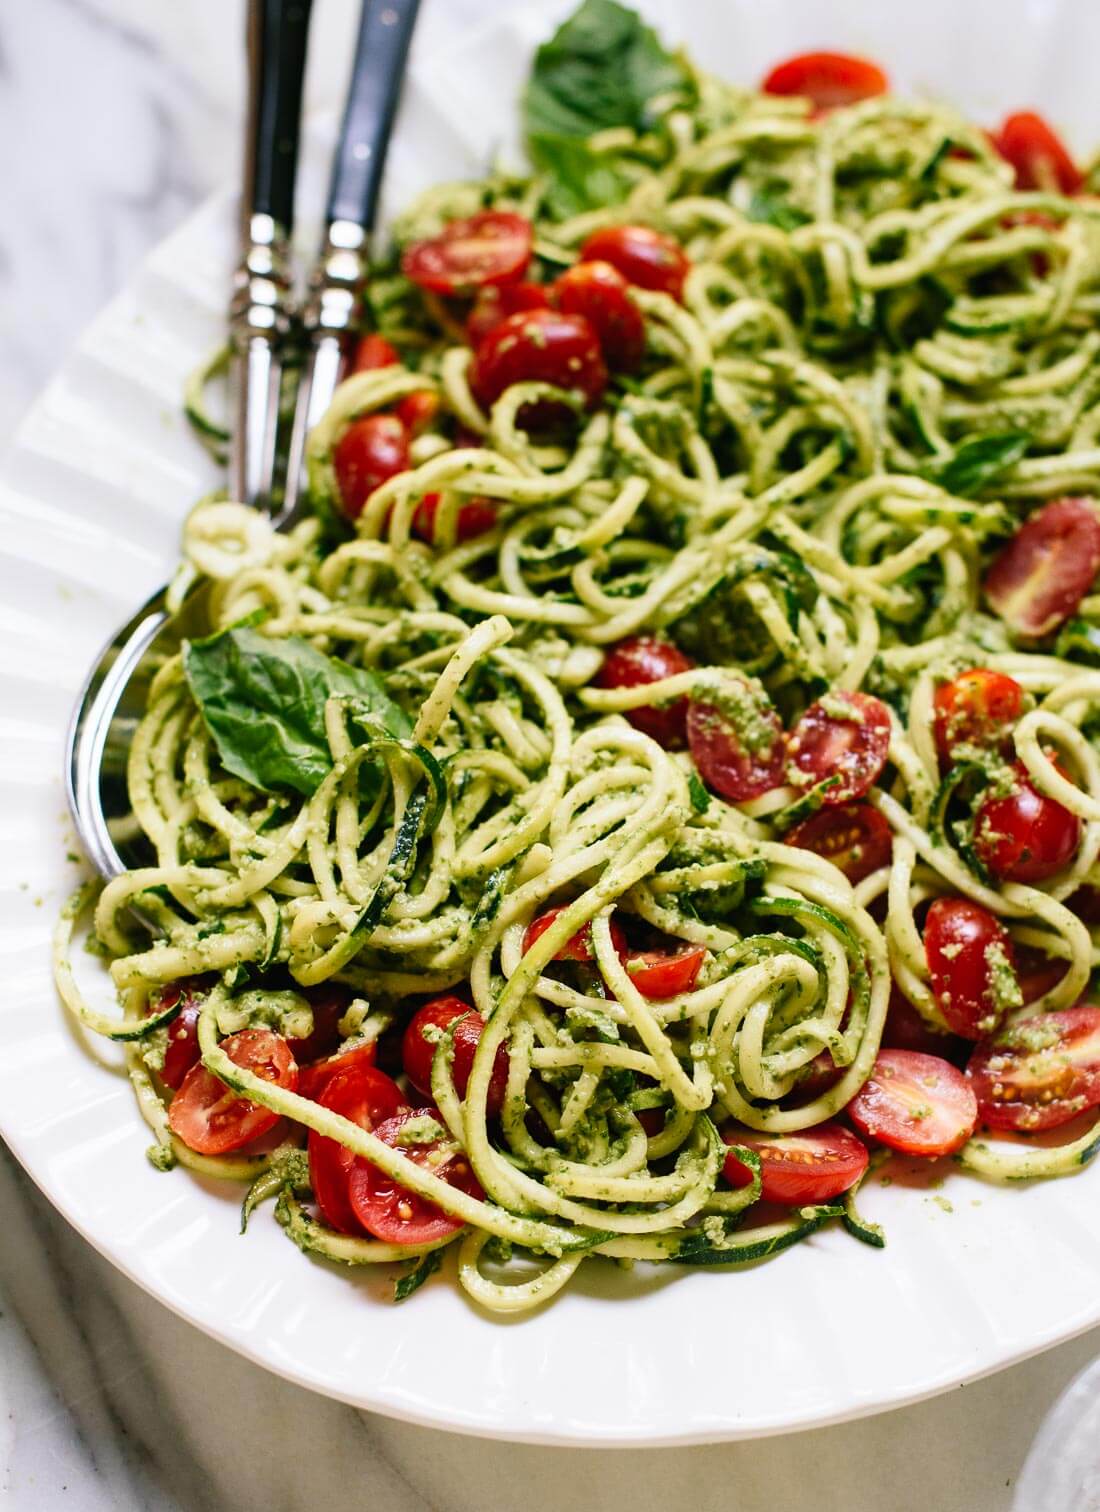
739, 759
416, 411
579, 947
492, 247
494, 302
544, 346
795, 1169
211, 1119
312, 1080
368, 1097
391, 1212
968, 951
846, 736
854, 837
1041, 1072
1038, 580
977, 708
417, 1052
475, 516
664, 974
601, 294
329, 1002
648, 259
644, 659
828, 79
182, 1050
1025, 837
371, 450
1037, 153
915, 1103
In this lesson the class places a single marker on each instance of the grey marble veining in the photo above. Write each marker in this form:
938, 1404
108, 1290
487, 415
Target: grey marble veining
124, 114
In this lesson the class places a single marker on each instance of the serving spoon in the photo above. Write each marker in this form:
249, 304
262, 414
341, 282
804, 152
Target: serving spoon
115, 695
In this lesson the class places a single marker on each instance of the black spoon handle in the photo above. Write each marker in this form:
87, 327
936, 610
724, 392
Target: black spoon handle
277, 32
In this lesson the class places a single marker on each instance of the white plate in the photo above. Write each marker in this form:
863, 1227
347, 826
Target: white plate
94, 490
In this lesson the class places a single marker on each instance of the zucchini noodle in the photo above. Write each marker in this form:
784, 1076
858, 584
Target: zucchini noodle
780, 490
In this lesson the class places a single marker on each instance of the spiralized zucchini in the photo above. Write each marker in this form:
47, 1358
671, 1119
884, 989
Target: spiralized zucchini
867, 295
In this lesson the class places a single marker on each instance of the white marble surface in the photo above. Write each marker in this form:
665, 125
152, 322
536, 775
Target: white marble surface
126, 113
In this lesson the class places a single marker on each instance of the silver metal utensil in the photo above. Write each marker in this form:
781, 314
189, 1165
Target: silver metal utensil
114, 697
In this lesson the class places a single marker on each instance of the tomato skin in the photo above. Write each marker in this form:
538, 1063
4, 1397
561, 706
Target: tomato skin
417, 1052
1037, 153
797, 1169
959, 937
648, 259
579, 947
1037, 581
726, 762
979, 708
392, 1213
828, 79
1041, 1072
1025, 837
600, 293
373, 351
182, 1051
855, 750
661, 974
544, 346
329, 1002
495, 302
853, 836
475, 516
312, 1080
371, 450
645, 659
492, 247
368, 1097
915, 1103
211, 1119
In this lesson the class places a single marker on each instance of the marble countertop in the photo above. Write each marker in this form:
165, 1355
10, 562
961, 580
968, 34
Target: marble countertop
127, 114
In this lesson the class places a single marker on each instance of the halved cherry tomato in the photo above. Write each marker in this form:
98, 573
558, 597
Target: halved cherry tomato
475, 516
1025, 837
371, 450
600, 293
312, 1080
1041, 1072
1037, 581
641, 660
494, 302
329, 1002
906, 1030
918, 1104
968, 951
1037, 153
648, 259
977, 708
368, 1097
854, 837
391, 1212
579, 947
492, 247
543, 346
828, 79
211, 1119
417, 1052
795, 1169
846, 736
182, 1051
660, 974
416, 411
738, 760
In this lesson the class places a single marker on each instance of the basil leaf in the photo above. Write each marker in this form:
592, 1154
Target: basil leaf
1079, 641
579, 179
263, 701
770, 209
978, 463
602, 68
